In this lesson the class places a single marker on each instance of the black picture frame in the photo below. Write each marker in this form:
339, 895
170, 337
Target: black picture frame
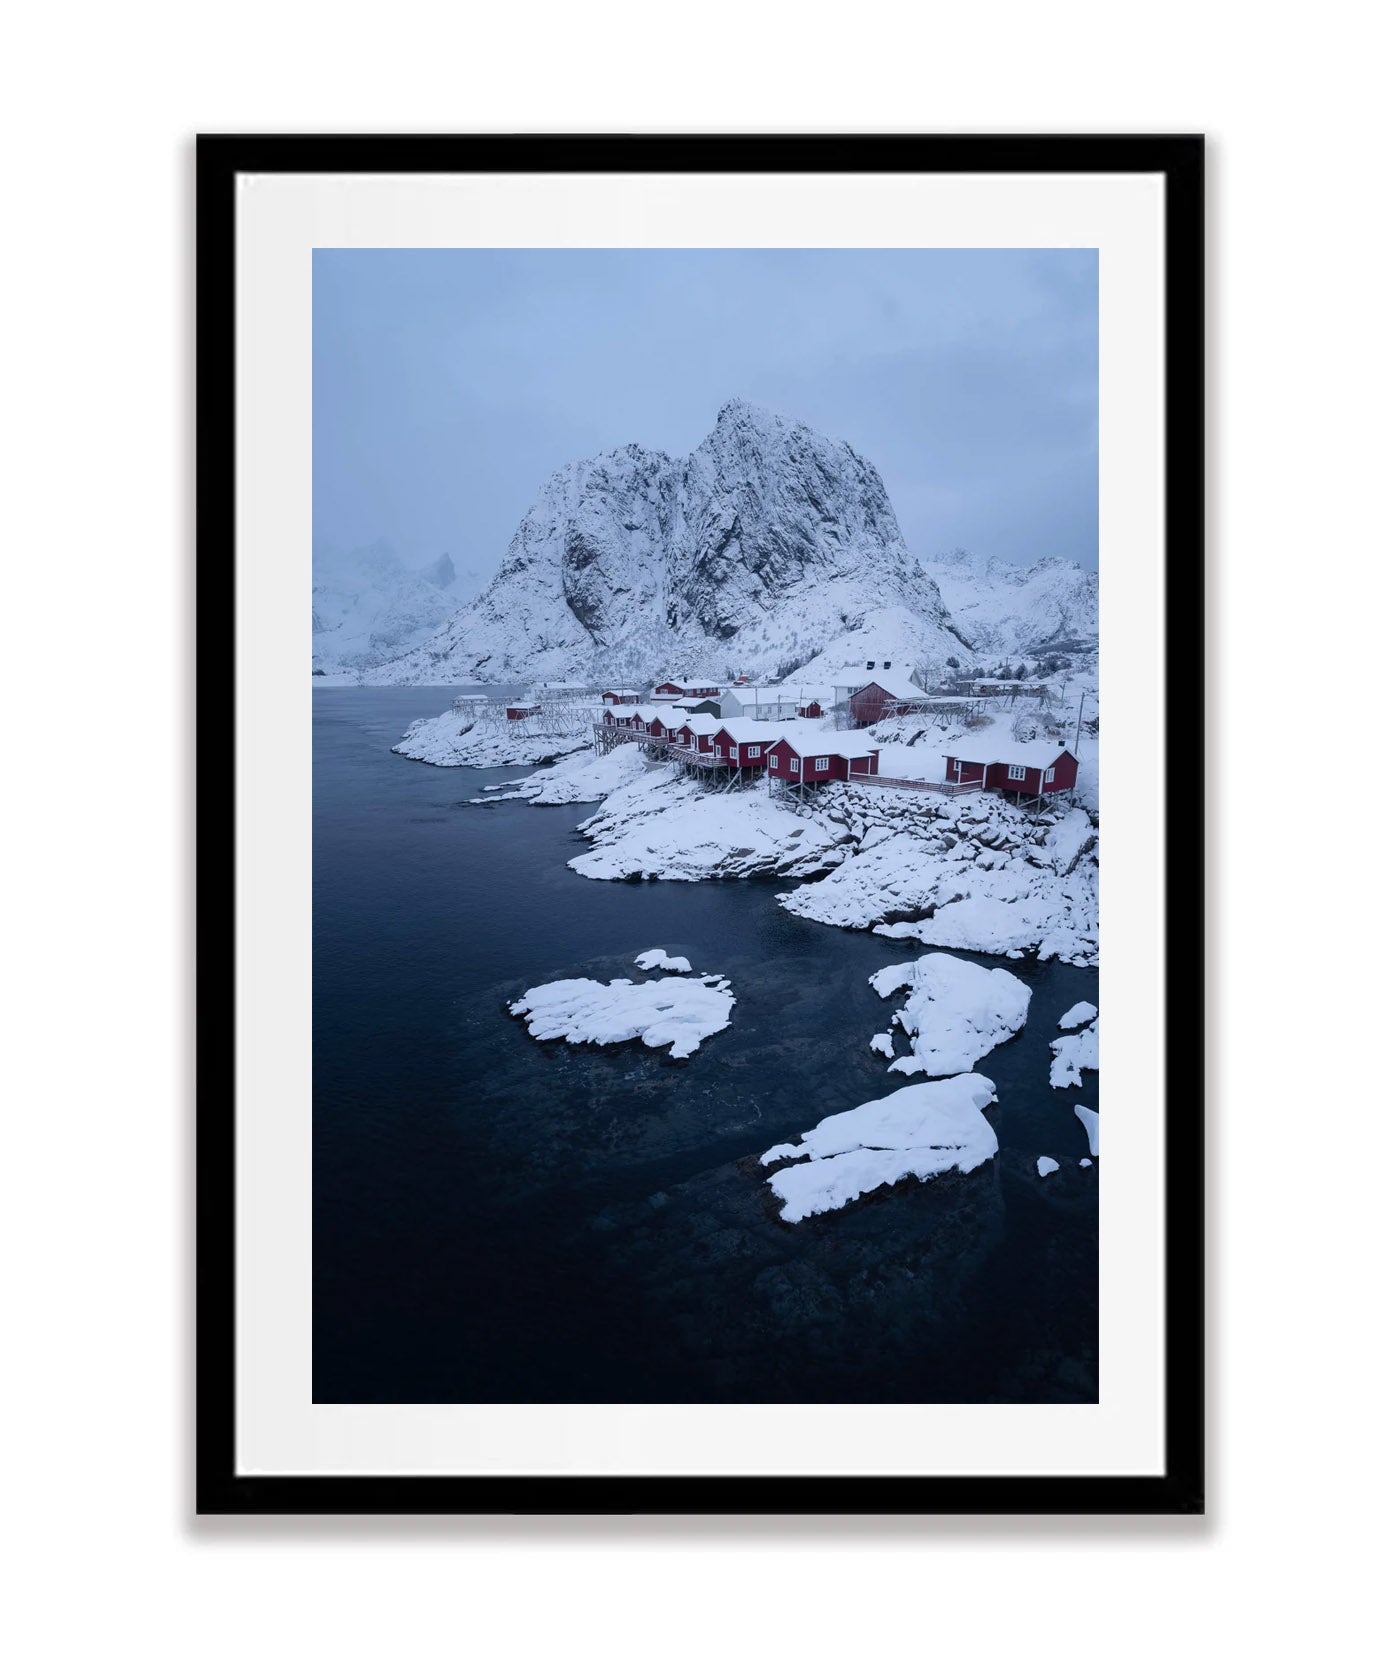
1179, 161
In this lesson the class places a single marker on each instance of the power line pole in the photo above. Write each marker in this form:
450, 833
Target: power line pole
1080, 724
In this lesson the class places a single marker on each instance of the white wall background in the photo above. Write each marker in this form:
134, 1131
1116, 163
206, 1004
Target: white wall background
109, 1571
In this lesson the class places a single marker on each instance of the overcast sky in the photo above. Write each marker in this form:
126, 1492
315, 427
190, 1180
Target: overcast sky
448, 385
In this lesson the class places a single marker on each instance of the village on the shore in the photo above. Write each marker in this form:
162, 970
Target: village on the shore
957, 814
728, 732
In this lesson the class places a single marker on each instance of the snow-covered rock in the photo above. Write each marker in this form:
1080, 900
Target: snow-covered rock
883, 1044
1046, 1164
578, 779
1085, 1161
972, 874
1089, 1119
1079, 1016
668, 828
1070, 1055
453, 739
368, 607
657, 958
768, 545
923, 1130
956, 1012
680, 1013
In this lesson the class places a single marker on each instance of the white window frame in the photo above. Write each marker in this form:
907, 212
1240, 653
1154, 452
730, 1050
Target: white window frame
734, 754
772, 761
957, 767
821, 764
755, 752
1049, 776
795, 764
1015, 772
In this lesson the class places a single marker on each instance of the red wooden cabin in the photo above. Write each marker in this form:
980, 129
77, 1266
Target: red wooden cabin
875, 701
521, 709
744, 743
696, 737
1039, 767
663, 723
827, 756
621, 697
689, 688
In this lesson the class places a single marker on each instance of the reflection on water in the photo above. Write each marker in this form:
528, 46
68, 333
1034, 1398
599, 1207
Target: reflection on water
497, 1219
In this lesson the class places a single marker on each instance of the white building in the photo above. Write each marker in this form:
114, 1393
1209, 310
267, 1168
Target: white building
761, 703
898, 679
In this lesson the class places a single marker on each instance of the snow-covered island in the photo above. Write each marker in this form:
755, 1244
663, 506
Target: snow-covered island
955, 1013
933, 1127
674, 1012
657, 957
1070, 1055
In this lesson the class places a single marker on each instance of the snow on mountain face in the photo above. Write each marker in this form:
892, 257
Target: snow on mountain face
769, 546
1052, 606
366, 606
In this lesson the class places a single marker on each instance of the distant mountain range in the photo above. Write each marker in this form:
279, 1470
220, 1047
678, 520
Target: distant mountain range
367, 607
770, 549
1049, 607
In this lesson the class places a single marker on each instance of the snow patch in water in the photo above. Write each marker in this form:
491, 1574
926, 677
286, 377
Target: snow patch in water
1071, 1055
680, 1013
917, 1132
957, 1011
657, 958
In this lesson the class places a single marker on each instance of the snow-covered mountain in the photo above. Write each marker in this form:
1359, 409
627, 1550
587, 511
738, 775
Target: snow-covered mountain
366, 606
768, 547
1050, 607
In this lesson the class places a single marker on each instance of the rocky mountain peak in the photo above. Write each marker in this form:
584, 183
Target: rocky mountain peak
762, 547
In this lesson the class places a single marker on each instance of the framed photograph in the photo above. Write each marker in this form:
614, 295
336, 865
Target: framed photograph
650, 1050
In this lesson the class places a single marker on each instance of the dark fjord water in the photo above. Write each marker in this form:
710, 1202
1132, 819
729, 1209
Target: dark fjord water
499, 1220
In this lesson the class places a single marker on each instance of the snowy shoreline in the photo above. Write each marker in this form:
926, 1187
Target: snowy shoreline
974, 873
969, 874
452, 740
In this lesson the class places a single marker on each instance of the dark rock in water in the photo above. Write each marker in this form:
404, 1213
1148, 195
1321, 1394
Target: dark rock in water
849, 1306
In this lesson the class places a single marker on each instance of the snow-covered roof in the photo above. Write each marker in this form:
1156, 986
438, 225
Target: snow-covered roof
749, 729
811, 740
671, 716
996, 748
898, 679
898, 683
750, 694
693, 682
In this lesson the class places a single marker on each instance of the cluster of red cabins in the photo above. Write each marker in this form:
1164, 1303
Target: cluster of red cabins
745, 747
789, 752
